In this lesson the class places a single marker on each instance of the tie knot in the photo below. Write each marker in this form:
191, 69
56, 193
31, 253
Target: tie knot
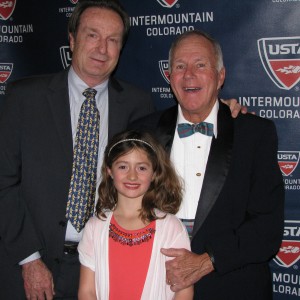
89, 93
202, 127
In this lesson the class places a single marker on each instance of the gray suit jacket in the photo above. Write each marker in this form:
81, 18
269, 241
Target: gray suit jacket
36, 152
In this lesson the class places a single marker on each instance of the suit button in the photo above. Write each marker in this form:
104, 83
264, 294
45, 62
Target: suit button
57, 260
198, 174
62, 223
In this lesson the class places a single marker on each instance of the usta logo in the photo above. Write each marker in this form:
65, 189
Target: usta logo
288, 161
7, 8
5, 71
164, 70
289, 252
167, 3
66, 56
281, 60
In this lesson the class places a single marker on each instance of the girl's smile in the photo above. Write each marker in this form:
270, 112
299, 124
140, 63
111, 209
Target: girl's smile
132, 174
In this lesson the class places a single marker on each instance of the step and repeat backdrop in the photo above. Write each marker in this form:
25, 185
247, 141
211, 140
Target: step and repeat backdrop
261, 46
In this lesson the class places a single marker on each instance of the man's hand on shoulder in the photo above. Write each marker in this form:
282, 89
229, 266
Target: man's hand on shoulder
235, 107
38, 281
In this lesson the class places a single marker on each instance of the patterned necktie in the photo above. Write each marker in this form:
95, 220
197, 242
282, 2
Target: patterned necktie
185, 129
81, 198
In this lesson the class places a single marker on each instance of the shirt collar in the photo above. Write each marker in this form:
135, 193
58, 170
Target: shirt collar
78, 85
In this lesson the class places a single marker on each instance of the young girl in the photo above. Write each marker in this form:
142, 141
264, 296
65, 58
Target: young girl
120, 248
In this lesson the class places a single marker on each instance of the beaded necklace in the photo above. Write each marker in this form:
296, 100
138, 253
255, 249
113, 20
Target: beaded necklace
130, 239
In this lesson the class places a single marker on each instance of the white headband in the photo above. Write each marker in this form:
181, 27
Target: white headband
128, 140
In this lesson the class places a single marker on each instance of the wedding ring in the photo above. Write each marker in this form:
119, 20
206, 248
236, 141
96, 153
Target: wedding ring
171, 284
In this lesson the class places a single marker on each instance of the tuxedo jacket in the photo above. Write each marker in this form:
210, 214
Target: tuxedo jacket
239, 219
36, 153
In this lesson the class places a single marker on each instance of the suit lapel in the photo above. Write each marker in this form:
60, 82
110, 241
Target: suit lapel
217, 166
166, 127
58, 98
114, 107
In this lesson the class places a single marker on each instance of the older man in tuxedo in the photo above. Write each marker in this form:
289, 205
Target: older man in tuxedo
234, 194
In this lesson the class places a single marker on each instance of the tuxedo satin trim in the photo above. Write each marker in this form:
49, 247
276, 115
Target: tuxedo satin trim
217, 166
218, 161
167, 127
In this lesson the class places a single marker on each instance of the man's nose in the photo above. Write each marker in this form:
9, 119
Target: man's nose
189, 72
102, 46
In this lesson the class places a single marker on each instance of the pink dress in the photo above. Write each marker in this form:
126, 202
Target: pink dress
94, 253
128, 264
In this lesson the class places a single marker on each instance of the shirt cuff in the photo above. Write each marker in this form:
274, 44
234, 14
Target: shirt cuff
30, 258
211, 256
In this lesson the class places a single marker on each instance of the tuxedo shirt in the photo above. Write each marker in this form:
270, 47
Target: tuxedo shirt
185, 155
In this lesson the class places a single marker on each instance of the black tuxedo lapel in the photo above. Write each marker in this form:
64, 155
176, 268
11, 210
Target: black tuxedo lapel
166, 127
217, 166
218, 161
58, 98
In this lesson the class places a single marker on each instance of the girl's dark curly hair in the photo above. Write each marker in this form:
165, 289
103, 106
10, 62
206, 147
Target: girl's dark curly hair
165, 191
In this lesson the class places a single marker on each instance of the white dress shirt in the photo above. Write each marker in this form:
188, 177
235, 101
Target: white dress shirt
189, 156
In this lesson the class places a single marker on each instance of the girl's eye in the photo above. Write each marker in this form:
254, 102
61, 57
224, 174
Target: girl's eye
143, 168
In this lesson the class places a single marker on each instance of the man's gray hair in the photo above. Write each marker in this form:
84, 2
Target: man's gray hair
186, 34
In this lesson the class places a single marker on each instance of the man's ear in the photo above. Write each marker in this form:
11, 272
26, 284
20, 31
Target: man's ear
221, 77
71, 41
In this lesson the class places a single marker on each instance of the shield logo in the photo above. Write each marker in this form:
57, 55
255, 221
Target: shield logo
74, 1
65, 55
167, 3
281, 60
164, 70
7, 8
288, 161
288, 254
5, 71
